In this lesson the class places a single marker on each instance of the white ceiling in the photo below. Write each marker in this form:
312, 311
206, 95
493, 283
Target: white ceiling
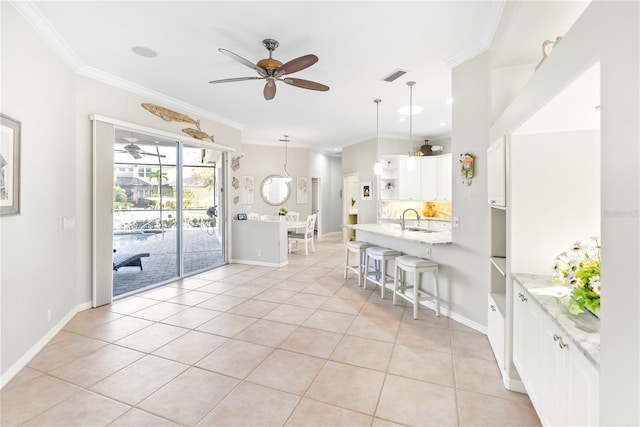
358, 43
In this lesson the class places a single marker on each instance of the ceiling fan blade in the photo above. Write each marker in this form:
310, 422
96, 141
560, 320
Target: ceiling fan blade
269, 89
235, 79
135, 155
144, 153
296, 65
241, 60
305, 84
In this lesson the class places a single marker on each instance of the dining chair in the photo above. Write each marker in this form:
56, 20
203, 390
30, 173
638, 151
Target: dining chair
307, 236
292, 216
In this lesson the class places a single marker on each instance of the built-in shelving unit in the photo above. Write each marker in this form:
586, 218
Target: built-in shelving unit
390, 178
500, 263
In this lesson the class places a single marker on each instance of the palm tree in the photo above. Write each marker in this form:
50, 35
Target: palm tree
156, 175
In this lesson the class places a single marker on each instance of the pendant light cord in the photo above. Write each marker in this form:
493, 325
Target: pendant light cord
410, 84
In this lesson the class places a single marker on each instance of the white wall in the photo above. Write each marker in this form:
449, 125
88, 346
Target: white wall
38, 258
329, 170
359, 159
470, 275
607, 32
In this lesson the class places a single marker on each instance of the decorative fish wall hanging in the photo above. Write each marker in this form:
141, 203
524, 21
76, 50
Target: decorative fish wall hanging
169, 115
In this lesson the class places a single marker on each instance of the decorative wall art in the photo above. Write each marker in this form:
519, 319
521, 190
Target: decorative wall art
9, 166
247, 190
169, 115
366, 191
235, 183
302, 190
235, 163
466, 168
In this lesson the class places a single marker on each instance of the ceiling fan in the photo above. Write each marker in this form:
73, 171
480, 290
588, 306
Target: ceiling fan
271, 70
136, 152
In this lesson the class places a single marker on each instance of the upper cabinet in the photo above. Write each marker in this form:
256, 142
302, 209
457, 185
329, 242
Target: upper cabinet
409, 180
428, 178
496, 174
429, 181
444, 178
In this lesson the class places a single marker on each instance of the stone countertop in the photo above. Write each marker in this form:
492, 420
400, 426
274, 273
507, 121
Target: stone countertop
394, 231
583, 329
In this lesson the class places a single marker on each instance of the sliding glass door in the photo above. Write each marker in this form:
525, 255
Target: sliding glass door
166, 211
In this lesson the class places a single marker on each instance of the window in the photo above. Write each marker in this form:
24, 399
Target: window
144, 172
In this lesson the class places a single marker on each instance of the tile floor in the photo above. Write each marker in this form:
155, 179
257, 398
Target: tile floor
245, 345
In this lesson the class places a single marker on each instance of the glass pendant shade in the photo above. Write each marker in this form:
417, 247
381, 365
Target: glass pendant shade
377, 168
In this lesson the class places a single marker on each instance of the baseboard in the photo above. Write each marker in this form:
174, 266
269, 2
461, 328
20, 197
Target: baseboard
40, 344
514, 385
260, 263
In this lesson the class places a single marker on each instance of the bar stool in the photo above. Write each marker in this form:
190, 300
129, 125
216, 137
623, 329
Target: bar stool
412, 264
378, 275
357, 248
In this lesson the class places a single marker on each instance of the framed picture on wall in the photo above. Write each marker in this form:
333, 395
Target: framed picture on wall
366, 191
302, 190
9, 166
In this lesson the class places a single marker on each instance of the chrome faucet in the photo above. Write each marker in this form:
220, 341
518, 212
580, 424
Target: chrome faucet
402, 217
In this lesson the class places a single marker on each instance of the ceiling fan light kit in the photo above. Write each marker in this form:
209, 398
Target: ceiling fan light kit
271, 69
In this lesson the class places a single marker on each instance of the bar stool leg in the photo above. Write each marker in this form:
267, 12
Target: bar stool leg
416, 293
346, 261
383, 276
395, 283
436, 291
366, 270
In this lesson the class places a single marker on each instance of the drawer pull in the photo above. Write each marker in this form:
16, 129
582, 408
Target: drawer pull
493, 307
556, 337
562, 344
522, 297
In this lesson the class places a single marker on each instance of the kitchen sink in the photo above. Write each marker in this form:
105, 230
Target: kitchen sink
421, 230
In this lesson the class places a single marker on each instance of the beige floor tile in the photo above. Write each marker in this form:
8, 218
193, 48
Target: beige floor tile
351, 291
237, 279
96, 366
292, 285
25, 401
303, 299
280, 274
217, 287
314, 342
190, 347
26, 374
457, 326
290, 314
131, 304
384, 312
264, 282
152, 338
275, 295
266, 332
426, 318
235, 358
322, 289
164, 293
342, 305
160, 311
399, 403
192, 317
379, 422
478, 409
64, 351
89, 319
190, 396
421, 364
137, 418
254, 308
190, 283
191, 298
138, 380
245, 291
465, 344
330, 279
330, 321
429, 338
311, 413
483, 376
267, 407
221, 302
117, 329
347, 386
258, 270
227, 324
374, 329
363, 352
82, 409
287, 371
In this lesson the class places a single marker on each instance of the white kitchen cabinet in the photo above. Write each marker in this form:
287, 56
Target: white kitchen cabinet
496, 173
428, 178
562, 384
409, 181
495, 326
444, 178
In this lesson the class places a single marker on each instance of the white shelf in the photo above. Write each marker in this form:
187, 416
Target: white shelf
500, 263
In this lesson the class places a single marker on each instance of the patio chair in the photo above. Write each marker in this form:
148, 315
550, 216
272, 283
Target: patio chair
305, 237
128, 260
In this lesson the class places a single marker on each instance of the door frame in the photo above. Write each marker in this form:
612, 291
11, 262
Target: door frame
316, 196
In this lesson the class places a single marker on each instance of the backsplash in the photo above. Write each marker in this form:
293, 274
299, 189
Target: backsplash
426, 209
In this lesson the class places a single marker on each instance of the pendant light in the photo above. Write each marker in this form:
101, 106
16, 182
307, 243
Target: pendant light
286, 177
411, 161
377, 167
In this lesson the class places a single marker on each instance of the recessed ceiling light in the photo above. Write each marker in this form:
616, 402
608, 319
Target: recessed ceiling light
442, 123
449, 100
405, 111
144, 51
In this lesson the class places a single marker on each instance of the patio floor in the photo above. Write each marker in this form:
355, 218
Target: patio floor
202, 249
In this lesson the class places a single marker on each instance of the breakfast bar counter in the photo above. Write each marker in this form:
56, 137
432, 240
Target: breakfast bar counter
426, 235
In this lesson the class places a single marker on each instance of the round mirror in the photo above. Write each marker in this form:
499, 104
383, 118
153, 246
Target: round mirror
274, 190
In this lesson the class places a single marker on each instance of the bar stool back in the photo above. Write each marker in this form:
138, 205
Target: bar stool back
411, 264
357, 248
378, 275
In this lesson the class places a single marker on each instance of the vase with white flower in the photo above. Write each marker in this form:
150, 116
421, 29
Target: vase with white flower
579, 269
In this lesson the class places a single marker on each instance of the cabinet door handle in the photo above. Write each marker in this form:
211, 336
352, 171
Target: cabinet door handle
493, 307
556, 337
562, 344
522, 297
492, 201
